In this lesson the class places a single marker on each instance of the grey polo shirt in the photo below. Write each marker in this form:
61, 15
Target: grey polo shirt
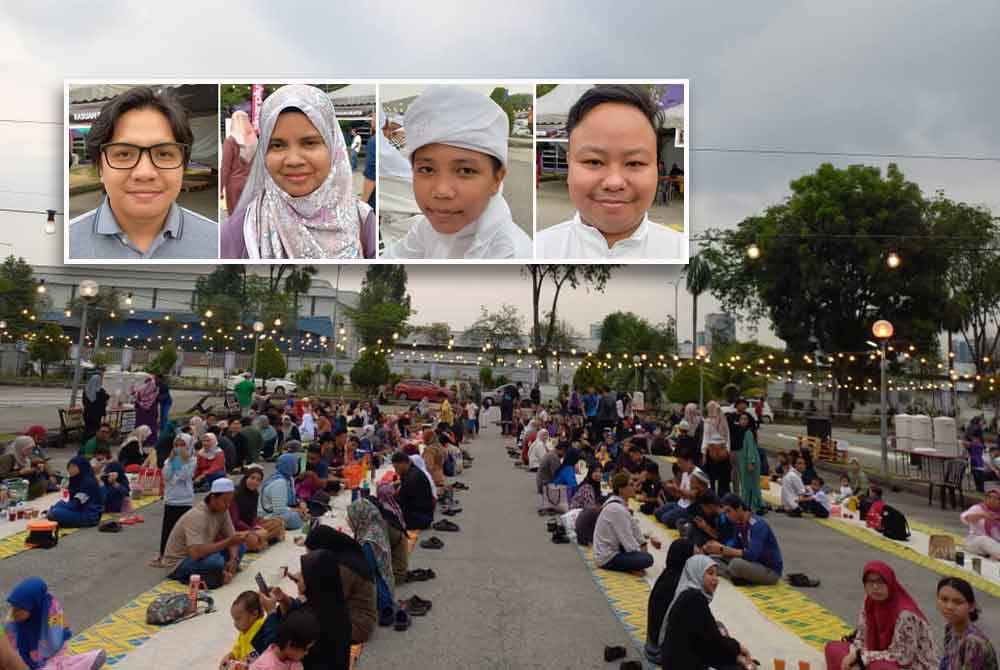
186, 235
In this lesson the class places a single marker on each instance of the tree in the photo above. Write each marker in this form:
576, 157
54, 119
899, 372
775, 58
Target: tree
501, 96
165, 361
19, 297
561, 338
270, 361
438, 334
685, 382
327, 371
542, 89
593, 277
588, 375
102, 309
498, 329
49, 346
642, 343
821, 277
486, 377
304, 378
698, 279
384, 306
370, 371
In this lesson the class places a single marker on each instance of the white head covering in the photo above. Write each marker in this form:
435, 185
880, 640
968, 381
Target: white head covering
241, 130
422, 466
323, 224
693, 577
465, 119
391, 163
93, 386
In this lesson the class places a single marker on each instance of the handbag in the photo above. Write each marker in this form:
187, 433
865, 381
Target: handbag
555, 497
718, 453
150, 481
942, 546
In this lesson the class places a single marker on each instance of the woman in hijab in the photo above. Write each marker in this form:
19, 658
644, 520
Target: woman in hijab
371, 533
663, 594
210, 464
434, 456
566, 474
38, 630
116, 491
396, 528
95, 406
588, 494
146, 407
695, 431
132, 451
715, 445
198, 427
178, 487
268, 436
538, 449
277, 495
457, 144
243, 512
86, 499
356, 577
237, 153
299, 200
25, 461
892, 631
165, 442
422, 466
692, 639
289, 431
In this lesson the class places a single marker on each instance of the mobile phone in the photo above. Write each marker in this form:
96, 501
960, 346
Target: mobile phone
284, 571
261, 584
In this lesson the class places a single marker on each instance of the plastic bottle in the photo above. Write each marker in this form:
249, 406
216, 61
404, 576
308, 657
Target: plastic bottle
64, 488
194, 583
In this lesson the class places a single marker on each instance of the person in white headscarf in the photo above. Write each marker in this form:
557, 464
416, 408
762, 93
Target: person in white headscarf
456, 140
422, 466
299, 200
237, 155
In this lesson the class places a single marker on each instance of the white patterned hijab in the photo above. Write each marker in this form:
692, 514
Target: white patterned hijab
323, 224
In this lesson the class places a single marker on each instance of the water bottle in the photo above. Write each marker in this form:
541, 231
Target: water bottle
194, 583
64, 488
364, 488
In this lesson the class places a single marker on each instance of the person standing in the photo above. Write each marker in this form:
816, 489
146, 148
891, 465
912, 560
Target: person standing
355, 148
244, 391
716, 448
95, 406
237, 155
748, 466
146, 408
163, 399
178, 489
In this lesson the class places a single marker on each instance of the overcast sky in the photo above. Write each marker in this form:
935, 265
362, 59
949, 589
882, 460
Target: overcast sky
888, 77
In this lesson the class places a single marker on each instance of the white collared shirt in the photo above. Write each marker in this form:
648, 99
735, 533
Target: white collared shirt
576, 239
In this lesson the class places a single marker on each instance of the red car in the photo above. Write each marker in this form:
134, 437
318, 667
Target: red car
418, 389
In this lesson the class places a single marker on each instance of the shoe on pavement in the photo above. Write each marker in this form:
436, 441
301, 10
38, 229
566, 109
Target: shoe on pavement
432, 543
445, 526
387, 616
402, 620
630, 665
614, 653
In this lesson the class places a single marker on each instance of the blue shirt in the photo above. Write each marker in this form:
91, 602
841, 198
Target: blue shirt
759, 544
590, 404
370, 150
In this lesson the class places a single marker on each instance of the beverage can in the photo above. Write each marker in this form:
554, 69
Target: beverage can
960, 558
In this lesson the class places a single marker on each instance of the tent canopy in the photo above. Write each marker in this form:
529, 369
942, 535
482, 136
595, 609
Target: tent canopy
552, 109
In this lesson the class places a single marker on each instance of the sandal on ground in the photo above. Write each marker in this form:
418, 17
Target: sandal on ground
630, 665
560, 538
432, 543
802, 580
614, 653
402, 620
445, 526
157, 563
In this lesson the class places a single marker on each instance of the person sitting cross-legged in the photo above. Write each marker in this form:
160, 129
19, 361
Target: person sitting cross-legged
618, 541
756, 556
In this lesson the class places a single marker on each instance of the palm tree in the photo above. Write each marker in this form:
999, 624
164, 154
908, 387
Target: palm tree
698, 276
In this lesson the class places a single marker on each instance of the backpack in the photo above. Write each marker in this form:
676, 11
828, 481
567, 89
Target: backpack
873, 516
173, 607
894, 525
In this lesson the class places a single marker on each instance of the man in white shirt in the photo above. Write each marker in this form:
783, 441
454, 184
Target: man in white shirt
792, 488
612, 158
618, 542
693, 484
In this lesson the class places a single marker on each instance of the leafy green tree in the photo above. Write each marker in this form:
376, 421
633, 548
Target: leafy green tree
370, 371
684, 384
588, 375
439, 334
101, 310
19, 297
48, 347
304, 378
327, 371
164, 361
498, 329
338, 381
640, 341
542, 89
486, 377
822, 277
698, 278
501, 96
384, 304
297, 283
271, 362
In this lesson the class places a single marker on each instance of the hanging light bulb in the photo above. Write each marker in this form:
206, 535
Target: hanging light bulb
41, 287
50, 222
893, 260
753, 252
128, 300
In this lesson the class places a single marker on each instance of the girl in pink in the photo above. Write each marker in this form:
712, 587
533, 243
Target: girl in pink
297, 633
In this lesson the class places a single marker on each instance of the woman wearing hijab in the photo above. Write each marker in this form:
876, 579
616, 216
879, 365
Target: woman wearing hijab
715, 445
748, 465
663, 594
210, 463
371, 533
696, 432
243, 512
356, 577
25, 462
132, 451
198, 427
692, 639
178, 486
422, 466
95, 406
566, 474
434, 456
588, 494
396, 528
116, 491
892, 631
277, 495
299, 199
165, 442
38, 630
146, 408
237, 153
268, 436
86, 499
456, 140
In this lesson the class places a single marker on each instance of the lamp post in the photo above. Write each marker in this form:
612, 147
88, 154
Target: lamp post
88, 291
258, 328
676, 284
701, 352
883, 330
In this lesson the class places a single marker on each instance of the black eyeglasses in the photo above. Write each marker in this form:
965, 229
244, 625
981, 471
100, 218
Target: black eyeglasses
124, 156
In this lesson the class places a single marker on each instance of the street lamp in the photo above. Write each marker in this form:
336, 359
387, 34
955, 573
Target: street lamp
258, 328
883, 330
701, 352
88, 291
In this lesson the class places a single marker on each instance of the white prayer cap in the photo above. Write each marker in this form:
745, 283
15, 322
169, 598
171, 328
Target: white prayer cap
457, 117
223, 485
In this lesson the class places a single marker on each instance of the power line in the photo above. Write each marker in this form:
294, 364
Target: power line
27, 211
32, 121
855, 154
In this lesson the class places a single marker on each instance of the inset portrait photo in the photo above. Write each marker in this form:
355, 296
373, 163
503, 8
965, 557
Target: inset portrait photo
610, 163
297, 175
455, 171
142, 175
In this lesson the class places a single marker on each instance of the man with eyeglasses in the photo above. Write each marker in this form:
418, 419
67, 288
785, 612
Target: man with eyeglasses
141, 144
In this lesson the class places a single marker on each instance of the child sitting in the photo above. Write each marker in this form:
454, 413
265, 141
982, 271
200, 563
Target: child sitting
815, 501
297, 633
845, 489
256, 628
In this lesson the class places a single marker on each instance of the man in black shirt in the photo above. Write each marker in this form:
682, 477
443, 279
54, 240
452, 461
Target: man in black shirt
415, 497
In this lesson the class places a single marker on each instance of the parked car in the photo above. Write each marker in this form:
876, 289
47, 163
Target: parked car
418, 389
759, 409
272, 386
549, 392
